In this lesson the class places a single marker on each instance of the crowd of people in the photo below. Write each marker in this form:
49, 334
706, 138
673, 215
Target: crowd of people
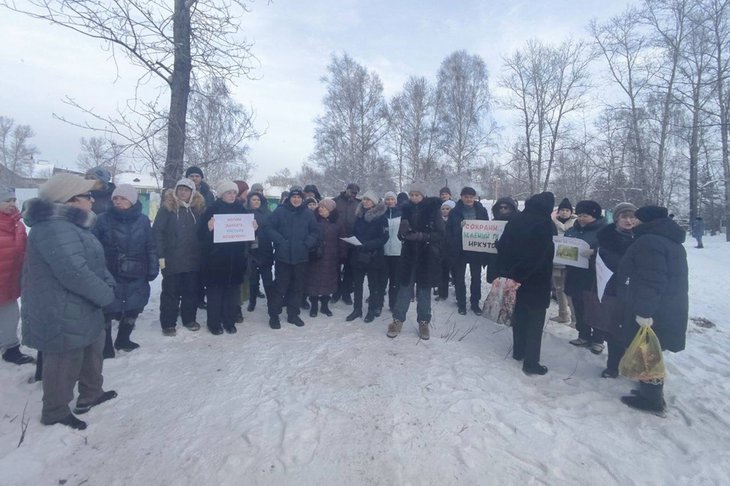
91, 254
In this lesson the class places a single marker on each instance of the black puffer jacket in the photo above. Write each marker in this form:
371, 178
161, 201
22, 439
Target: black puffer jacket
131, 256
454, 244
612, 245
371, 228
579, 280
422, 232
176, 230
293, 232
655, 266
525, 250
223, 263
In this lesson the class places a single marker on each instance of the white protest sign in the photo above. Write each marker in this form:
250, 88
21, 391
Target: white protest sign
478, 235
603, 275
232, 228
568, 251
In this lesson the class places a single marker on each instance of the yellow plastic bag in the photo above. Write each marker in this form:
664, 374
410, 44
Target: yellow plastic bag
643, 360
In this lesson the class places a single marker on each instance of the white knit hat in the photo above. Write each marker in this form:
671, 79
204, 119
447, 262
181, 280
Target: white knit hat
126, 191
226, 186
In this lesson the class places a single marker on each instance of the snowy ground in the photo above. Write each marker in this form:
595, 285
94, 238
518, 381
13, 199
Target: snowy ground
340, 403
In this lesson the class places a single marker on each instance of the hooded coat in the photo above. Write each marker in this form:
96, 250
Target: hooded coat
422, 231
323, 273
127, 235
492, 268
223, 263
12, 252
454, 244
347, 207
176, 231
525, 251
293, 232
371, 228
579, 280
655, 267
65, 280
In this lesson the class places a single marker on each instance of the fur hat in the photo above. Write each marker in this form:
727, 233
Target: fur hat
185, 182
565, 204
226, 186
126, 191
417, 186
591, 208
6, 193
257, 187
647, 214
372, 196
622, 208
451, 204
63, 187
445, 190
242, 186
99, 173
194, 170
329, 204
468, 191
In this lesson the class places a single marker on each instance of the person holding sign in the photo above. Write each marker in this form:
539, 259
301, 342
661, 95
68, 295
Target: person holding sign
224, 259
503, 210
467, 208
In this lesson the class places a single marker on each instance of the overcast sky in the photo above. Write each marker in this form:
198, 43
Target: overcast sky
41, 64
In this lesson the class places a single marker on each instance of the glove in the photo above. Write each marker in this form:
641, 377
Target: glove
162, 263
644, 321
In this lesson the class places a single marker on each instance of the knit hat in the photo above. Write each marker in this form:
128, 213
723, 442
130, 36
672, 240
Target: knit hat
353, 187
390, 194
6, 193
468, 191
565, 204
372, 196
401, 198
226, 186
591, 208
257, 187
63, 187
296, 191
445, 190
310, 200
417, 186
622, 208
647, 214
194, 170
185, 182
126, 191
99, 173
329, 204
451, 204
242, 186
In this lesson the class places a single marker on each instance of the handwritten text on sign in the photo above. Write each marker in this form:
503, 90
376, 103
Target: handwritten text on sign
231, 228
481, 236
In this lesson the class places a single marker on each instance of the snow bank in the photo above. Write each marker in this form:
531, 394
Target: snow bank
340, 403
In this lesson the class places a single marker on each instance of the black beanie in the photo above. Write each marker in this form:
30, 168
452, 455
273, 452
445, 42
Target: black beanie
591, 208
445, 190
565, 204
468, 191
650, 213
194, 170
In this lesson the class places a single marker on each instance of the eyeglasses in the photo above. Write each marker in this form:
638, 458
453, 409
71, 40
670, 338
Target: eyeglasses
86, 196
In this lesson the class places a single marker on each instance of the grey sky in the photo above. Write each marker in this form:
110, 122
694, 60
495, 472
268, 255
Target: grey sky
41, 64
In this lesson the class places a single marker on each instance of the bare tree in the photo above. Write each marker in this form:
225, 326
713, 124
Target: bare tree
16, 152
172, 42
99, 151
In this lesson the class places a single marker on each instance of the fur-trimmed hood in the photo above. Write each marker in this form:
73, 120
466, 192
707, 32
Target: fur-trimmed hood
172, 204
37, 210
372, 213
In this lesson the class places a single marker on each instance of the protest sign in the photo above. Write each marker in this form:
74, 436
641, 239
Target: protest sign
481, 236
568, 251
231, 228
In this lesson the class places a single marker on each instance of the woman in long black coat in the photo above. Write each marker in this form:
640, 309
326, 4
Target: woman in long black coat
131, 257
655, 267
323, 268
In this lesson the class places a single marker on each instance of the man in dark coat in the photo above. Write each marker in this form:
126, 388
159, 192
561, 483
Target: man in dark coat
698, 231
422, 233
502, 210
261, 253
347, 203
655, 267
195, 174
102, 191
311, 191
525, 255
293, 231
467, 208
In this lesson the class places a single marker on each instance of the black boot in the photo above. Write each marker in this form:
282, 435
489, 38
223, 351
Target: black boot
239, 315
324, 307
108, 346
13, 355
649, 399
314, 301
370, 316
354, 314
252, 302
122, 342
305, 304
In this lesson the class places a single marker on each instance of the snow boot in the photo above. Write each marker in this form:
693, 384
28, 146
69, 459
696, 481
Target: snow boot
314, 303
104, 397
191, 326
296, 320
370, 316
423, 330
252, 302
609, 373
274, 322
108, 345
394, 328
462, 309
534, 369
650, 398
476, 309
305, 304
354, 314
70, 421
596, 348
231, 329
122, 342
324, 307
13, 355
216, 330
170, 331
580, 342
239, 315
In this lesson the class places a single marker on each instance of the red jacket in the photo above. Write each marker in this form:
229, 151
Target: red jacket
12, 252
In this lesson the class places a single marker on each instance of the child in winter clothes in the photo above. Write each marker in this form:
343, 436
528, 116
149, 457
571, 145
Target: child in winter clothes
323, 267
392, 249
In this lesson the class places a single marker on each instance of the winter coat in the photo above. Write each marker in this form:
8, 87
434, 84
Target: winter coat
223, 263
347, 207
698, 228
525, 251
371, 228
293, 232
65, 280
454, 246
563, 227
579, 280
261, 251
12, 252
208, 196
422, 232
655, 267
323, 273
612, 245
176, 231
131, 256
102, 198
393, 245
492, 268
